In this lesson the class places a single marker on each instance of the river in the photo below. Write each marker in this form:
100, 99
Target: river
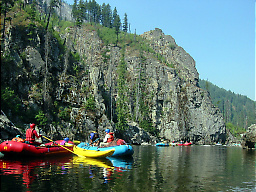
179, 169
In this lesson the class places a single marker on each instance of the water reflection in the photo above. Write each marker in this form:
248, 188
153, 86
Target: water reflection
104, 163
26, 171
92, 163
194, 168
30, 169
121, 164
191, 168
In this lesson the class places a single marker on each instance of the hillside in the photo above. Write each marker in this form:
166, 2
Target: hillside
71, 78
236, 109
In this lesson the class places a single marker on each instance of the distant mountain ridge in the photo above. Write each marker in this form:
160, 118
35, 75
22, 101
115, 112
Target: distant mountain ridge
236, 109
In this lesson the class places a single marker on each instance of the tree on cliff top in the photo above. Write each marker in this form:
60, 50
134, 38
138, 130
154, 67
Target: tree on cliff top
116, 24
6, 6
53, 4
106, 15
125, 24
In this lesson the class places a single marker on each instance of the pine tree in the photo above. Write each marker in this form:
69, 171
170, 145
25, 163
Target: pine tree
106, 15
95, 11
6, 6
116, 23
114, 15
125, 25
32, 26
79, 14
75, 10
53, 4
83, 7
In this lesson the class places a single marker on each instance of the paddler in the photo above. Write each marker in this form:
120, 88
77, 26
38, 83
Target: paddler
109, 137
31, 134
94, 139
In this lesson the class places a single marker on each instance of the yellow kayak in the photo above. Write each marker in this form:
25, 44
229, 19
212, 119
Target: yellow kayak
92, 153
105, 163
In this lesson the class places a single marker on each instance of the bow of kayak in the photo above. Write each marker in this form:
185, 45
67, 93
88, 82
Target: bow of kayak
93, 153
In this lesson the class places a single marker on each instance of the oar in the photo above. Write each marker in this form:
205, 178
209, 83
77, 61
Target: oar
76, 141
61, 146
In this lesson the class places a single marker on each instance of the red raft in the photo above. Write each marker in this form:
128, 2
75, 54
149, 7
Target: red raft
184, 144
14, 148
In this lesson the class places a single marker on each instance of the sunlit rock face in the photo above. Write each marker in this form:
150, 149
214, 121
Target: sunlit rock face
249, 138
47, 76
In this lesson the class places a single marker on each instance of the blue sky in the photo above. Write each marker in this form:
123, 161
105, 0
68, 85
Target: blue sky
218, 34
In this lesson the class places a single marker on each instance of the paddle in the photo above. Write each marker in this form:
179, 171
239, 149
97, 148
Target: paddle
62, 146
76, 141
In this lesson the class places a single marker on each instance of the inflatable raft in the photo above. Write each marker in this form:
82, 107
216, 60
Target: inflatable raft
14, 148
162, 144
184, 144
93, 153
120, 150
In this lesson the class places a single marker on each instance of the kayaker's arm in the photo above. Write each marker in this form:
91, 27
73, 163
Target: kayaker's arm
106, 138
35, 133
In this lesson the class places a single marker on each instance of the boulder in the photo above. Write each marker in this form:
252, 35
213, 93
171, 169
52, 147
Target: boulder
7, 129
137, 136
249, 138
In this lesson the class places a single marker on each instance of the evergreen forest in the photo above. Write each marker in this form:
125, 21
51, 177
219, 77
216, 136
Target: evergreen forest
238, 110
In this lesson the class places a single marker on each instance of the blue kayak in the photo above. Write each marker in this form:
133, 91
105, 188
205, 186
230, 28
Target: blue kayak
120, 150
162, 144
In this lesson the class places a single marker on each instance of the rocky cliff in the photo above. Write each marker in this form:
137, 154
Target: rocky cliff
8, 130
61, 77
249, 137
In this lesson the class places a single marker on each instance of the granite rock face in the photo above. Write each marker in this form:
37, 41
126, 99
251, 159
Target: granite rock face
177, 107
249, 138
7, 129
188, 113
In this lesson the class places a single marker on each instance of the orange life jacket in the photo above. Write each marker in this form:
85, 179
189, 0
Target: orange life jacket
111, 138
17, 139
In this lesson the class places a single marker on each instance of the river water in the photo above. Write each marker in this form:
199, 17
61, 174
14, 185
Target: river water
179, 169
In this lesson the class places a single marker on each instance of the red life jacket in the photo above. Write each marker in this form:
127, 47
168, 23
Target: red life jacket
120, 142
30, 135
111, 138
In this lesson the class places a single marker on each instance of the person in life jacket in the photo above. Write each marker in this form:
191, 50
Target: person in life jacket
94, 138
18, 139
64, 141
109, 137
31, 134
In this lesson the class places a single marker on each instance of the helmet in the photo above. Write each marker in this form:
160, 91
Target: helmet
66, 139
32, 125
92, 135
107, 130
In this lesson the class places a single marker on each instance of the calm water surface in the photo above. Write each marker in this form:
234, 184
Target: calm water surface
181, 169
